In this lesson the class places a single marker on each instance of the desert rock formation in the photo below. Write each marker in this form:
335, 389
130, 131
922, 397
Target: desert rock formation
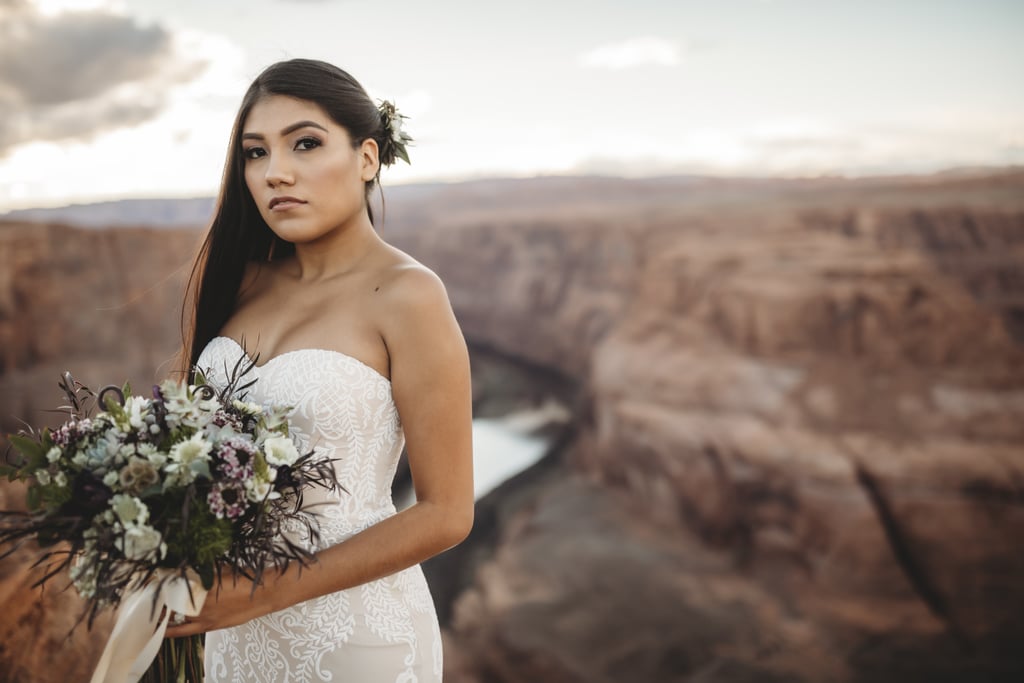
802, 440
798, 453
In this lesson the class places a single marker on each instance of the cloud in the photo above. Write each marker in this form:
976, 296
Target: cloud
643, 51
71, 75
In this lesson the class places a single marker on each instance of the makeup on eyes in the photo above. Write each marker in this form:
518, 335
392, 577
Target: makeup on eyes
247, 152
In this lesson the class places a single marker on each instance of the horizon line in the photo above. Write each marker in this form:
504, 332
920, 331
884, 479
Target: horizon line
947, 171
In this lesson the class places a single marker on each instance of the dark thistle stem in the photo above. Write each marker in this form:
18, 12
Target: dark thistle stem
113, 388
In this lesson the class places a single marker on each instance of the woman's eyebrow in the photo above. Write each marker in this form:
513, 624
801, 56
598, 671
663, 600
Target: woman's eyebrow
286, 130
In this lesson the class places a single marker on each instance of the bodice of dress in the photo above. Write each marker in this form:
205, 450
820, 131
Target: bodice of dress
342, 409
384, 630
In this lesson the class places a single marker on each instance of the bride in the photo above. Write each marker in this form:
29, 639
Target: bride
360, 338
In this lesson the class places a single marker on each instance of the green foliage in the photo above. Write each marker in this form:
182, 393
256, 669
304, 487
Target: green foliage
260, 466
33, 452
205, 541
116, 411
54, 496
33, 498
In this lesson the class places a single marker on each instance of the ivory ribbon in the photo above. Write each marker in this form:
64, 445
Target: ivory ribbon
139, 629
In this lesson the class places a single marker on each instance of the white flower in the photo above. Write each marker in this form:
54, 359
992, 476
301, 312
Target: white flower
276, 417
60, 479
280, 450
257, 490
111, 478
140, 542
247, 407
53, 455
84, 573
129, 509
208, 406
80, 459
152, 453
223, 433
189, 456
173, 391
396, 128
185, 406
43, 477
135, 407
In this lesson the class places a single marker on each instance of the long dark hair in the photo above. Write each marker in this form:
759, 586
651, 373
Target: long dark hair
238, 234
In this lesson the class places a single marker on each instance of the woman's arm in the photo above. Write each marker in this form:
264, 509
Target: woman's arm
430, 383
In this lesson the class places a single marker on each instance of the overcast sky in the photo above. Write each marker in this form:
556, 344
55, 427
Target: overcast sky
104, 99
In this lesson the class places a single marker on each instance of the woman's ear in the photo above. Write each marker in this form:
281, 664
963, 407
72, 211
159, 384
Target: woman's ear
369, 158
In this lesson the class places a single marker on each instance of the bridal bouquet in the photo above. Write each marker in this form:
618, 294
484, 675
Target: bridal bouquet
149, 500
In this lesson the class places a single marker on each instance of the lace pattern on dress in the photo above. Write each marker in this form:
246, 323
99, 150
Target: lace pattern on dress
384, 630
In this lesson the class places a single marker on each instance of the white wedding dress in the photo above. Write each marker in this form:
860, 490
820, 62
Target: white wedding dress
385, 631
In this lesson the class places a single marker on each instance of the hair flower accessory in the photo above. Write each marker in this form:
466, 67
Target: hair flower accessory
396, 139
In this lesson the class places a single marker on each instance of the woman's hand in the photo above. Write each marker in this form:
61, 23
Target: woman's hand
230, 604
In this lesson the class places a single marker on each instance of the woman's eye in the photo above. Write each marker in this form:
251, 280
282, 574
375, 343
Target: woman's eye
307, 143
253, 152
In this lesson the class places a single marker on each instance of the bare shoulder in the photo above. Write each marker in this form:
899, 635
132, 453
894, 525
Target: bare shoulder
427, 351
413, 309
406, 283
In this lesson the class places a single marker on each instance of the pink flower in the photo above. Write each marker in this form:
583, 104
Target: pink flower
227, 499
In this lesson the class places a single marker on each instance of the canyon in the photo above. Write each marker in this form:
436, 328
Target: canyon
797, 445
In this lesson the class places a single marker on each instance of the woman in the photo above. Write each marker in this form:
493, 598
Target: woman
362, 341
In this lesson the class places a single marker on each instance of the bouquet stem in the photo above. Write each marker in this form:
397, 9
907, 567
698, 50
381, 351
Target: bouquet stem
180, 661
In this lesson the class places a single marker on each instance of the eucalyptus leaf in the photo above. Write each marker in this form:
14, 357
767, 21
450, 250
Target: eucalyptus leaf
30, 448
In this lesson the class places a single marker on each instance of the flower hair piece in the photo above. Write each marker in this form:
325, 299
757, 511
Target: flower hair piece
395, 138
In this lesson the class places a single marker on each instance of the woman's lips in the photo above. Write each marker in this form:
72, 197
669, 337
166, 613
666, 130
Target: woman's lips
285, 204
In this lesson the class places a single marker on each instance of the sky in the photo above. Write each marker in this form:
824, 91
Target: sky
109, 99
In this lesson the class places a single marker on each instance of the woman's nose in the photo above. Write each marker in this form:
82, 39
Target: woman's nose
279, 171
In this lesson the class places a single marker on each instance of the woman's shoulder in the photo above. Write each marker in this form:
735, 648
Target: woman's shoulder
409, 293
417, 324
404, 279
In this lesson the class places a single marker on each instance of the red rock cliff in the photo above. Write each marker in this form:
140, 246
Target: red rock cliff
799, 452
103, 304
802, 454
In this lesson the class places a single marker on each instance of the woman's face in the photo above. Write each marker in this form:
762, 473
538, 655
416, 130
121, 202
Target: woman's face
301, 169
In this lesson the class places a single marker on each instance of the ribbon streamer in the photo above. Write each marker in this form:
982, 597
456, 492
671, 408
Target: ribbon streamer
139, 630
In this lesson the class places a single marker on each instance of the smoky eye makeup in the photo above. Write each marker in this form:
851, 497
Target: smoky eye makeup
252, 152
308, 142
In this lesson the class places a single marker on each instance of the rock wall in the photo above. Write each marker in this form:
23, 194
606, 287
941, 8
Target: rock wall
104, 305
798, 452
802, 446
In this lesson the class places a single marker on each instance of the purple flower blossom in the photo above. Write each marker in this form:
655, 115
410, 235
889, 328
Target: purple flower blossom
236, 459
71, 432
227, 499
